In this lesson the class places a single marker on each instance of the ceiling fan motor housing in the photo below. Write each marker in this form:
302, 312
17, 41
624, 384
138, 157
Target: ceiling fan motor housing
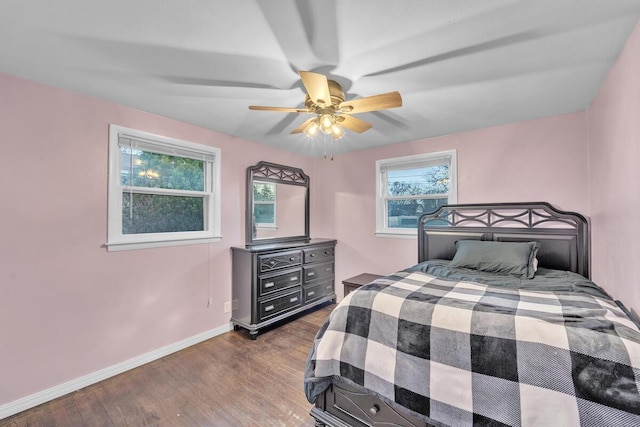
337, 97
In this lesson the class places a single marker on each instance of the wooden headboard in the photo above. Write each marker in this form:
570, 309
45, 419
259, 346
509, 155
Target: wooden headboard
563, 236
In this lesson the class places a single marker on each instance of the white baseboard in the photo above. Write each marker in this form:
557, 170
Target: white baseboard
43, 396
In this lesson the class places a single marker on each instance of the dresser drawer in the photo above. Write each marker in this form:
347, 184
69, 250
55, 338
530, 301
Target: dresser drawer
273, 307
312, 293
343, 400
319, 271
318, 255
279, 260
275, 282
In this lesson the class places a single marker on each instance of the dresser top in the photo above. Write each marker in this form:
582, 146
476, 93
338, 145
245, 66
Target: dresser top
284, 245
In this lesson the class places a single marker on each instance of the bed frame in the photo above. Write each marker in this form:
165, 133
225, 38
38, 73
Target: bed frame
564, 245
563, 236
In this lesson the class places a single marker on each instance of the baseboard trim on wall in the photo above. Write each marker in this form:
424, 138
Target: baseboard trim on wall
44, 396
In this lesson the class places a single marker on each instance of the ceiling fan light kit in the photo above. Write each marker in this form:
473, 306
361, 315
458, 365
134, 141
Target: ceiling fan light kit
326, 101
311, 130
326, 123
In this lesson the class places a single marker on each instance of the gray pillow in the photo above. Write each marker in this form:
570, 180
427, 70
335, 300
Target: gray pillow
515, 258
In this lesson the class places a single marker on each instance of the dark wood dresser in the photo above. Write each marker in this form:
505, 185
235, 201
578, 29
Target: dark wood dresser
273, 282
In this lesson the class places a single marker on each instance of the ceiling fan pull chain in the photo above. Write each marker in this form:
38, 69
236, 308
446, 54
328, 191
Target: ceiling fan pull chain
324, 144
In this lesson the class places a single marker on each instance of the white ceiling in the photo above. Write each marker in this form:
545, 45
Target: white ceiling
458, 64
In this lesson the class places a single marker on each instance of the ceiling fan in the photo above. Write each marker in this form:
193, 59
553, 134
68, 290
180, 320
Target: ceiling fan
325, 100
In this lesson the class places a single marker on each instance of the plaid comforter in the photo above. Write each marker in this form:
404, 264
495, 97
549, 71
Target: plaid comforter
465, 353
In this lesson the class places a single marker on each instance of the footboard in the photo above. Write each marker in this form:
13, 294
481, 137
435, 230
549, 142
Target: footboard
342, 405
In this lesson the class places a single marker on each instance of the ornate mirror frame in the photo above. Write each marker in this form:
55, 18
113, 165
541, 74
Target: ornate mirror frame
279, 174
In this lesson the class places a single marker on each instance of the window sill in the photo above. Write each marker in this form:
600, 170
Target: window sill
409, 234
126, 246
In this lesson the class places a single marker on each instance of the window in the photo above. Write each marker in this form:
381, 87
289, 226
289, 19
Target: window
162, 191
264, 204
409, 186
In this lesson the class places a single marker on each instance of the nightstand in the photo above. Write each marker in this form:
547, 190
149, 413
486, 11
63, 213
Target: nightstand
355, 282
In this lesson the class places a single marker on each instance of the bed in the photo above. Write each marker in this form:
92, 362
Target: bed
497, 324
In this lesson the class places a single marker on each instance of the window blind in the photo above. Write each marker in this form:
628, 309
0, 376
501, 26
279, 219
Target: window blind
160, 147
446, 160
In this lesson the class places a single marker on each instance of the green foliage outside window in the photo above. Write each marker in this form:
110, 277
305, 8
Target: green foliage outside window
152, 213
158, 213
147, 169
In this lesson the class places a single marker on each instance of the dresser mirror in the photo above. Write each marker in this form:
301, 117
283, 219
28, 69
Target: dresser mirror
277, 204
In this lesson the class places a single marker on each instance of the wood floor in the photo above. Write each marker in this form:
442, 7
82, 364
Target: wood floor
228, 380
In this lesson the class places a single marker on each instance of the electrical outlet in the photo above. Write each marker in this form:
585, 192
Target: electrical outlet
209, 302
227, 307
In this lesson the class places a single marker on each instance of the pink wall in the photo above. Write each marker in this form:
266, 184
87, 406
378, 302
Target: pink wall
614, 177
68, 307
542, 160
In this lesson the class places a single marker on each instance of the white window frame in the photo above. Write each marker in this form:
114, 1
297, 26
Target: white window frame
382, 229
116, 240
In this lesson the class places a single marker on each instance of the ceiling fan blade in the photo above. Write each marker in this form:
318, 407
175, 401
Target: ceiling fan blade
281, 109
353, 123
313, 43
300, 128
317, 87
372, 103
158, 59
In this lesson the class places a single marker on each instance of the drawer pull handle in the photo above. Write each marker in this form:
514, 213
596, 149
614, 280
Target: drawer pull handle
327, 269
269, 308
312, 255
272, 262
269, 284
312, 293
294, 299
374, 409
327, 252
311, 273
328, 287
293, 279
292, 258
